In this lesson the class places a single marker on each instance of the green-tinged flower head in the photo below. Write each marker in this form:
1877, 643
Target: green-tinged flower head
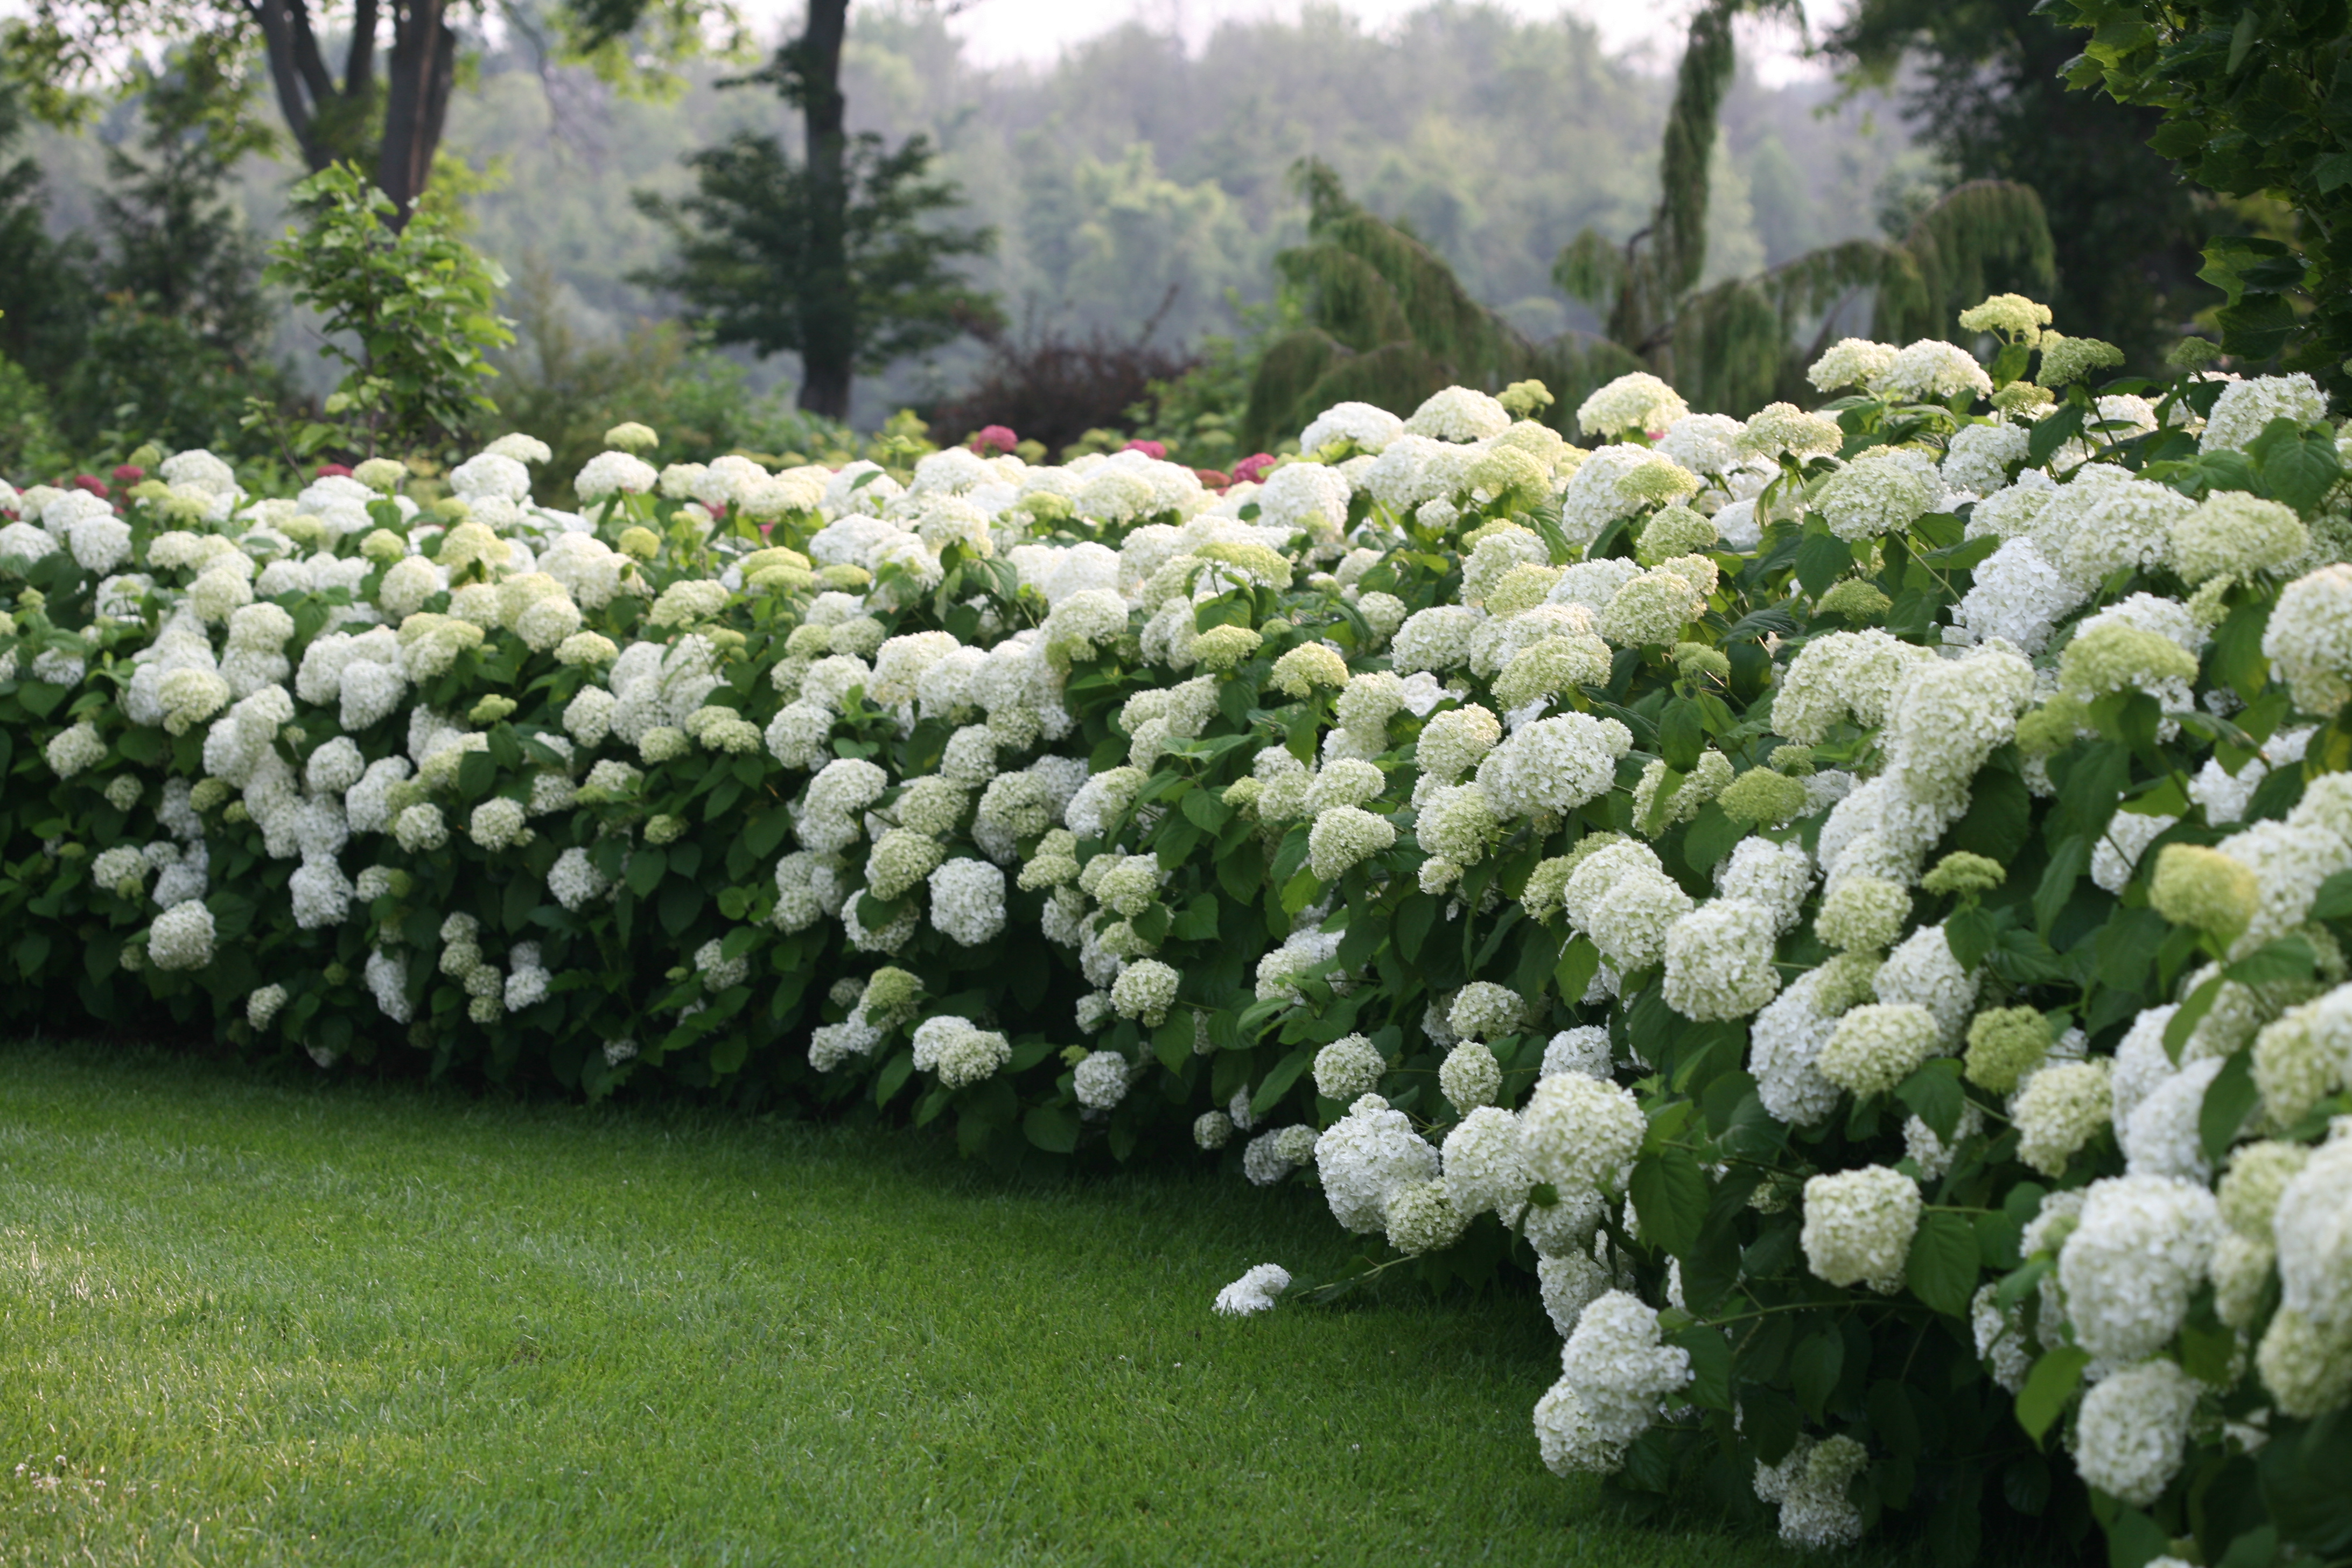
639, 543
380, 474
2022, 399
206, 794
1863, 914
1857, 600
1550, 666
631, 436
1308, 666
1523, 587
146, 454
891, 996
782, 578
1223, 647
845, 577
1794, 761
1510, 473
2012, 317
490, 709
2053, 727
451, 511
1522, 398
1674, 530
382, 546
1661, 481
1762, 795
1261, 562
1047, 507
2192, 353
1696, 660
1540, 898
2066, 359
774, 555
2233, 533
587, 648
1962, 872
151, 490
1783, 429
1242, 794
664, 829
2004, 1044
2249, 1192
2118, 658
2204, 889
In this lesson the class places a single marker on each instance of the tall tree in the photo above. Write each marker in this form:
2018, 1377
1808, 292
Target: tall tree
1987, 84
387, 116
1738, 343
44, 292
834, 257
174, 244
2255, 102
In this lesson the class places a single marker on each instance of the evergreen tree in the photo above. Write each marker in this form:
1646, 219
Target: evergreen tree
833, 257
45, 288
388, 105
1987, 87
173, 241
177, 338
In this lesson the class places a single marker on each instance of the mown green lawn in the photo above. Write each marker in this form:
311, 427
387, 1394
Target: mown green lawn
249, 1317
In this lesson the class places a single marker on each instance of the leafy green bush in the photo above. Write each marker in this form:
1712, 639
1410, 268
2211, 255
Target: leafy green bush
408, 309
1833, 895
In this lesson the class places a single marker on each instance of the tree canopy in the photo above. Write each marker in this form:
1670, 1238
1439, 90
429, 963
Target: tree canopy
386, 108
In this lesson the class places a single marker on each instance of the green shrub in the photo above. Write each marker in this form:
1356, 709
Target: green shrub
1847, 1002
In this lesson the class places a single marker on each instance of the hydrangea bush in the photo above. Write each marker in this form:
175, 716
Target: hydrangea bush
1850, 898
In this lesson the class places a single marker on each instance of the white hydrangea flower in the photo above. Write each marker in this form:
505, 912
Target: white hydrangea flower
1579, 1133
2245, 409
2134, 1425
1638, 401
2061, 1109
2313, 1224
1458, 413
1369, 427
1254, 1291
1554, 765
1485, 1166
1720, 960
1933, 371
1619, 1368
1101, 1079
611, 473
182, 937
2309, 639
1851, 361
968, 901
1810, 1488
1483, 1010
2140, 1249
1858, 1226
1348, 1068
2000, 1338
1583, 1049
1883, 490
1364, 1157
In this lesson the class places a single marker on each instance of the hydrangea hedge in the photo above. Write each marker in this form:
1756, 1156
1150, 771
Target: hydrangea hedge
1851, 898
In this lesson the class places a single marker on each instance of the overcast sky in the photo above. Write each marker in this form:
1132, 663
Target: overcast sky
1002, 32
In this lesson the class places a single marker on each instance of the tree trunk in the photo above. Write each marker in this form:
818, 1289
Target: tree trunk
828, 298
329, 121
422, 71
